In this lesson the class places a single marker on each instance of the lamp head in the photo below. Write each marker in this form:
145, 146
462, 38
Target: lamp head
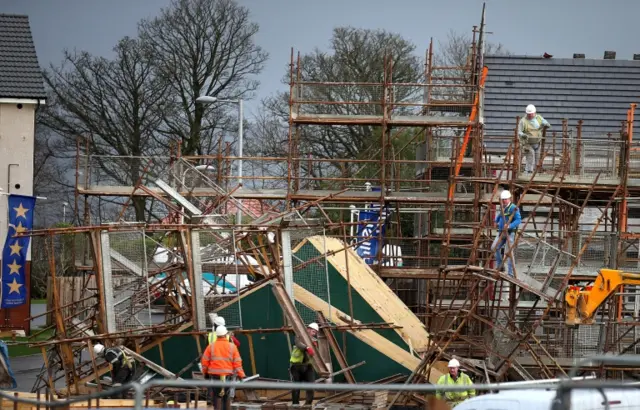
205, 99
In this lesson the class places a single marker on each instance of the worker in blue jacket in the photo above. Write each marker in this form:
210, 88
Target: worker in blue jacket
508, 212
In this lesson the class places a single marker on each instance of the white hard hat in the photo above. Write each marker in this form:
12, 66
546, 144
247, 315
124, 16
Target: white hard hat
505, 194
219, 321
98, 349
221, 331
453, 363
531, 109
314, 326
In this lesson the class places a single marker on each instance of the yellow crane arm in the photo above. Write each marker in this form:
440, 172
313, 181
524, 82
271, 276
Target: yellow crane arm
582, 303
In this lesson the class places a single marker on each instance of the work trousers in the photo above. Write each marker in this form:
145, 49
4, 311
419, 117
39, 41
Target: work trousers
302, 373
122, 375
219, 396
499, 245
531, 156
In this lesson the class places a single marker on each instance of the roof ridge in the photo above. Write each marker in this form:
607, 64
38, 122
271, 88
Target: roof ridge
14, 15
530, 57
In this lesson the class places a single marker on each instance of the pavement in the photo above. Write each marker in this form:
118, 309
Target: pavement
26, 369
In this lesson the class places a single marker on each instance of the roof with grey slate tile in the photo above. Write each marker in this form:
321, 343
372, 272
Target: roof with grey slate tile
20, 73
596, 91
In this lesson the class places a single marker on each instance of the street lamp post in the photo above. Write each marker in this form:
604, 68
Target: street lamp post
205, 99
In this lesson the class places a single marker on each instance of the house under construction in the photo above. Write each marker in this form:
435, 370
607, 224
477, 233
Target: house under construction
389, 252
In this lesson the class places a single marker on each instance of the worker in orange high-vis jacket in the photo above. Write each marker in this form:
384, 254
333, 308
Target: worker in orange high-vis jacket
220, 361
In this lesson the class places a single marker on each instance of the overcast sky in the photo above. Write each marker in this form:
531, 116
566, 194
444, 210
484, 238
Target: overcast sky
559, 27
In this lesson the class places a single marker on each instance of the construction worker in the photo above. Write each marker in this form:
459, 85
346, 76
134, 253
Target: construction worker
219, 321
300, 367
507, 211
220, 361
530, 133
122, 366
455, 378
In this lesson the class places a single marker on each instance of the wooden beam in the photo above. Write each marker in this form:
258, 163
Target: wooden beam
370, 337
373, 290
185, 239
298, 325
96, 249
336, 349
252, 355
151, 365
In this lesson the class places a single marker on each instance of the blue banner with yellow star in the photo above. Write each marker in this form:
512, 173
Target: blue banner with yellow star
14, 253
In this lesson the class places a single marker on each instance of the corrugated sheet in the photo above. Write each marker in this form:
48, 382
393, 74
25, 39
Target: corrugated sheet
596, 91
20, 74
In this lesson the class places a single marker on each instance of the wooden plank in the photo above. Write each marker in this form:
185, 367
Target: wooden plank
336, 349
374, 291
298, 325
252, 355
370, 337
151, 365
161, 350
185, 241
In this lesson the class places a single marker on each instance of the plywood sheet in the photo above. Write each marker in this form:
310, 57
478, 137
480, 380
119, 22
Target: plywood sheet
374, 291
370, 337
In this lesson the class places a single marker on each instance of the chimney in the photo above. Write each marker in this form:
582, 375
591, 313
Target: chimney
578, 56
609, 55
636, 56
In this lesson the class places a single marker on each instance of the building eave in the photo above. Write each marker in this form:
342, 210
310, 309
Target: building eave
38, 101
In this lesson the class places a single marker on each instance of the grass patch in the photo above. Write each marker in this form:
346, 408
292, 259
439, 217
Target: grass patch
24, 350
38, 301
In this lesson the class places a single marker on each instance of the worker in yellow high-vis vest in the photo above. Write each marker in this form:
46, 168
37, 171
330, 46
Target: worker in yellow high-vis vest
219, 321
300, 366
457, 378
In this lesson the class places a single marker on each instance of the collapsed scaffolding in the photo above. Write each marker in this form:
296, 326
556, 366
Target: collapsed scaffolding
425, 190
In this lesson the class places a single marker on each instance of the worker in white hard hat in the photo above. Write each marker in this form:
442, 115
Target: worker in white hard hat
455, 378
219, 321
221, 360
122, 366
507, 220
530, 134
300, 366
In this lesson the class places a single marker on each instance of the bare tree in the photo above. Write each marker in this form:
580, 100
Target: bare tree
456, 51
45, 172
203, 47
116, 103
355, 55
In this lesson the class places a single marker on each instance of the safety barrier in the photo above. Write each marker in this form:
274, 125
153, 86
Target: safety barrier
562, 397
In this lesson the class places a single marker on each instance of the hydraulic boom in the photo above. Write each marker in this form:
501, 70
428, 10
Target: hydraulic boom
582, 302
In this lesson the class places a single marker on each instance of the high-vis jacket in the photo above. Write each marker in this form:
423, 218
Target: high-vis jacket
457, 396
213, 337
222, 358
530, 130
299, 353
515, 220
